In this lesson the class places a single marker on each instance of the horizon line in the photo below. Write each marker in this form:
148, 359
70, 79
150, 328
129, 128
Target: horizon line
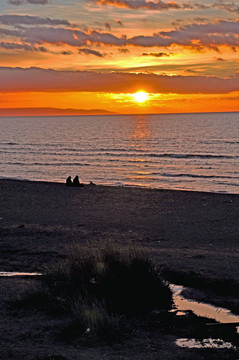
90, 112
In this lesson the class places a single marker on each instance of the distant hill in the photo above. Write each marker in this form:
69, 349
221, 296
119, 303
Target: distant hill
44, 111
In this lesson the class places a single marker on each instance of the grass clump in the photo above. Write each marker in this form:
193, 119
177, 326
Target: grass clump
126, 281
103, 287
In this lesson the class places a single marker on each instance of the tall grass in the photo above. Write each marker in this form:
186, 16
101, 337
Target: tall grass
126, 280
101, 288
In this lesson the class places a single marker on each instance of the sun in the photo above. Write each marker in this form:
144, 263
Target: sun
140, 96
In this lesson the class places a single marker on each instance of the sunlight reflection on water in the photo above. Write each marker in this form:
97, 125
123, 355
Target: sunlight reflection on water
13, 273
219, 314
202, 309
205, 343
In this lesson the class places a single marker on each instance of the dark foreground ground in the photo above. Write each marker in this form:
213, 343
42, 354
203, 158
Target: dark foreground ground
189, 232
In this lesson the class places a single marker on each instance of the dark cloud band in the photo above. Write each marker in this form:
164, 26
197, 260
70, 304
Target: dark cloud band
48, 80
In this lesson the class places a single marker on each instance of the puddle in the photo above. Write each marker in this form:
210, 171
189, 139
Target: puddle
13, 273
201, 309
205, 343
221, 315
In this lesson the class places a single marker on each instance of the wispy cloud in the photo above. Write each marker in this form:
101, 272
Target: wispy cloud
118, 22
159, 5
228, 6
198, 36
123, 50
22, 46
107, 26
69, 36
90, 52
16, 20
37, 79
157, 54
34, 2
140, 4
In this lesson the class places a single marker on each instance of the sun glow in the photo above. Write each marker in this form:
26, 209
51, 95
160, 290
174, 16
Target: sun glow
140, 96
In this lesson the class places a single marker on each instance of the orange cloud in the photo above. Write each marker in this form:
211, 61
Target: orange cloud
141, 4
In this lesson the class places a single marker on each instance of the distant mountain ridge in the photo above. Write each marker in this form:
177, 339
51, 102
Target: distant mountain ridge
47, 111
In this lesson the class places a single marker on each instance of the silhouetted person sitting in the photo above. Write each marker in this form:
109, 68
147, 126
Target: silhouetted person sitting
76, 181
69, 181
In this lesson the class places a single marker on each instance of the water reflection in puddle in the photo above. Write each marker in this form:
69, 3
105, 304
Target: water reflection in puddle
205, 343
13, 273
201, 309
218, 314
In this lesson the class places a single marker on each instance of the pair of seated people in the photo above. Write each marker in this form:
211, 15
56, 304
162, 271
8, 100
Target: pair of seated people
75, 181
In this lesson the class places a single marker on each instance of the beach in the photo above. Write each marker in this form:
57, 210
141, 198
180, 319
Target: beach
190, 232
187, 230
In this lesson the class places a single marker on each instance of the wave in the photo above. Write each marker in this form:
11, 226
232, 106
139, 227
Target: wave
194, 156
172, 155
47, 164
196, 176
63, 151
219, 141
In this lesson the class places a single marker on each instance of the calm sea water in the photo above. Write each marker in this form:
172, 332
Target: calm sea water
180, 151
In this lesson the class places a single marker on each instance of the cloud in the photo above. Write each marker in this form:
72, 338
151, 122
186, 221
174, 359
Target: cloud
118, 22
66, 52
198, 36
123, 50
22, 46
48, 80
211, 68
16, 20
231, 7
170, 5
9, 32
55, 31
140, 4
157, 54
69, 36
91, 52
107, 26
32, 48
157, 5
34, 2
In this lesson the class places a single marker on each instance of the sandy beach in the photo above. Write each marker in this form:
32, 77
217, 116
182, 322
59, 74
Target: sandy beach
40, 221
187, 230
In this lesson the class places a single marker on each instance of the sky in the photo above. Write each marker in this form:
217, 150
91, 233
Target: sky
96, 54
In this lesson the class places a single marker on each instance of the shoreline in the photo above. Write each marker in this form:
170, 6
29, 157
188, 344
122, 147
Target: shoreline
127, 186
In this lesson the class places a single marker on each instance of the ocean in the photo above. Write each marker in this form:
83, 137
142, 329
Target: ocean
198, 152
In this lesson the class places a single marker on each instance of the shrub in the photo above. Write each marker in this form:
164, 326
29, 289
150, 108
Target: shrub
127, 282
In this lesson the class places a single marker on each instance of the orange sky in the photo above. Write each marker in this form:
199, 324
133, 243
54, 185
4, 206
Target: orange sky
94, 54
